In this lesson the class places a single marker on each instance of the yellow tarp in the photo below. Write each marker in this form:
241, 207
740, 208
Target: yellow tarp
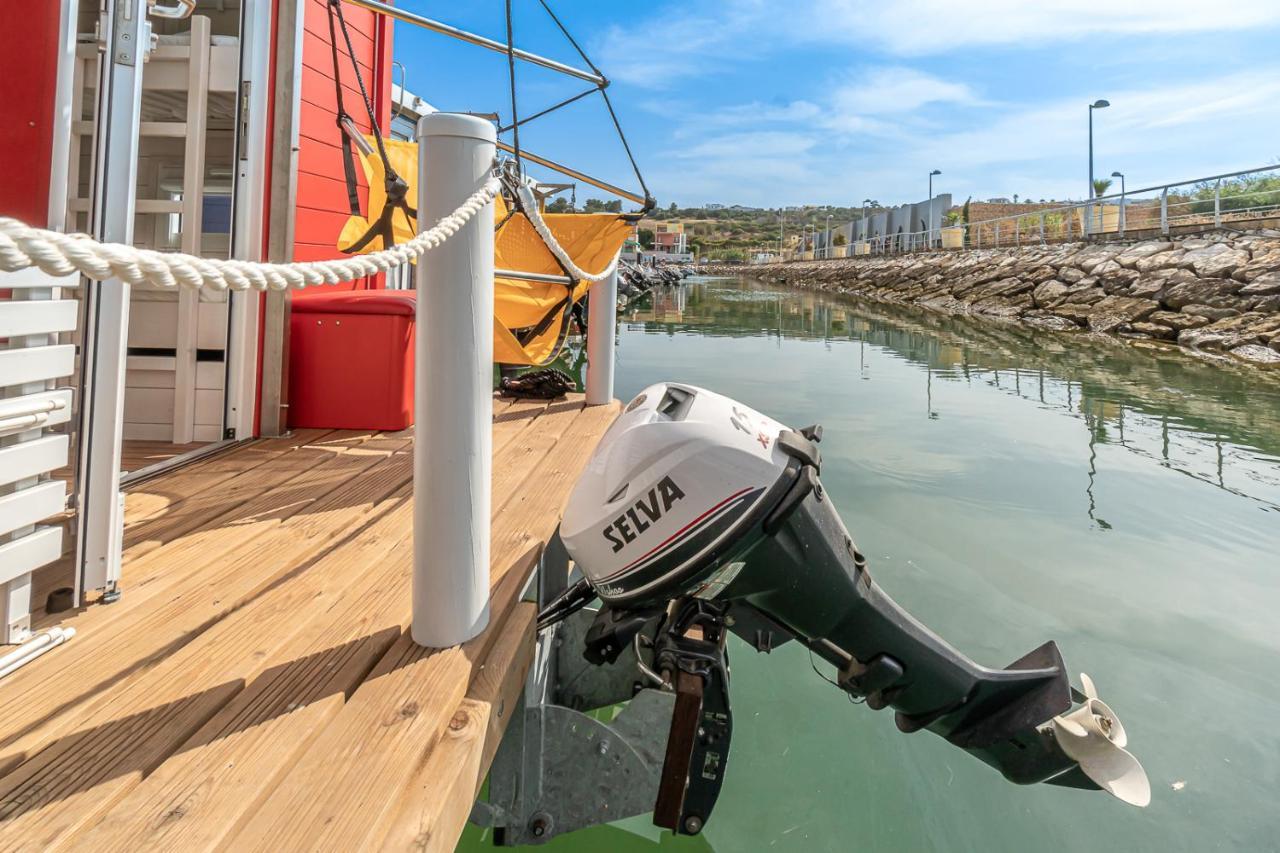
591, 239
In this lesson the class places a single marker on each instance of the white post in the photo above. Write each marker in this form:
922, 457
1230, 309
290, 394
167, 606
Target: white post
453, 388
602, 321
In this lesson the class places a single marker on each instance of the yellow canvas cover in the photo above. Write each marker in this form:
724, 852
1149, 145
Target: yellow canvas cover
404, 159
520, 307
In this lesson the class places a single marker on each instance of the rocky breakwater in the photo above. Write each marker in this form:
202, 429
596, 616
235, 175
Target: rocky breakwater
1216, 294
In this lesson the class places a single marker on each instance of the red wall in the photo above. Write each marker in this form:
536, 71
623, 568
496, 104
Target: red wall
322, 207
29, 69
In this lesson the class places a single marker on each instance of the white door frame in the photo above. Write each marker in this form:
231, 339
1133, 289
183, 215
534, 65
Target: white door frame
104, 337
252, 142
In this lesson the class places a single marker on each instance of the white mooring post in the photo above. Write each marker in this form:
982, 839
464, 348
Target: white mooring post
453, 388
602, 323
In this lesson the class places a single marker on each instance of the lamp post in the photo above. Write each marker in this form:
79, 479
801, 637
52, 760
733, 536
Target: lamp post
931, 217
827, 241
1120, 175
866, 226
1099, 104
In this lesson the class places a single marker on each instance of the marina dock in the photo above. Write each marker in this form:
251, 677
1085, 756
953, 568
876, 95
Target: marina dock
256, 686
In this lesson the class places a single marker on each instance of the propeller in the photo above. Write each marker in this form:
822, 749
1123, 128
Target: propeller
1093, 737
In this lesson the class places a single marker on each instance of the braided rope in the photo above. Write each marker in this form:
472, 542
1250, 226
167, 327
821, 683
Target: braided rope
530, 205
22, 246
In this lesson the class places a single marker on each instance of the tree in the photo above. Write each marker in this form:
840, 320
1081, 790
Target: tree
646, 238
672, 209
1100, 186
614, 206
559, 205
593, 205
839, 239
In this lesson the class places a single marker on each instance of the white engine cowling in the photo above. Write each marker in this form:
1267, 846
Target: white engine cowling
668, 486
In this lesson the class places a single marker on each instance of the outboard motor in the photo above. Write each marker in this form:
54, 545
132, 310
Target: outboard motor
698, 516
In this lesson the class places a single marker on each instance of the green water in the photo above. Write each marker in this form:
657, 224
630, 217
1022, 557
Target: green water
1008, 487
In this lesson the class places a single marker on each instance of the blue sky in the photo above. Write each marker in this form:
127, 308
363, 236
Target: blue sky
772, 103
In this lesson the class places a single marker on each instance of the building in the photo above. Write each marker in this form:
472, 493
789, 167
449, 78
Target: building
670, 244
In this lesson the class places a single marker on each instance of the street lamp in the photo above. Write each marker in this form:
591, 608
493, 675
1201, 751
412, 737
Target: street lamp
866, 226
931, 217
1099, 104
827, 241
1120, 175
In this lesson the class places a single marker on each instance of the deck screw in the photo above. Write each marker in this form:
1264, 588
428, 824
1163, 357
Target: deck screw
693, 824
603, 747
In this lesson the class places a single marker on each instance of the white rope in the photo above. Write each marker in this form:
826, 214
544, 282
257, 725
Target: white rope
57, 254
530, 205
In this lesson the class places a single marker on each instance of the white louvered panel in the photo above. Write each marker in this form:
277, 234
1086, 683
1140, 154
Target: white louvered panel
37, 317
30, 552
32, 458
24, 508
32, 277
55, 406
36, 364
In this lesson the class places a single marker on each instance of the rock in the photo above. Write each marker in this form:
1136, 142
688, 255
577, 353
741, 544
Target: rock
1269, 304
1049, 294
1129, 257
1091, 259
1115, 311
1264, 261
1069, 275
1214, 261
1262, 285
1155, 330
1200, 291
1147, 287
1045, 320
1257, 354
1193, 243
1076, 313
1211, 312
1085, 293
1177, 321
1160, 261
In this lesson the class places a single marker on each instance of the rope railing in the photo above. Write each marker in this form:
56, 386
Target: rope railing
58, 254
529, 206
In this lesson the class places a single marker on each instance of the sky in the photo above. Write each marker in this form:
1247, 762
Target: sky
767, 103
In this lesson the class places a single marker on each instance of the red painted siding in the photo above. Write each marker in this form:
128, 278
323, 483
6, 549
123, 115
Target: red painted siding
29, 67
322, 195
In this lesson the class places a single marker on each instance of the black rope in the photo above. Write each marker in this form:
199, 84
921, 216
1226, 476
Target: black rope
566, 102
511, 68
574, 42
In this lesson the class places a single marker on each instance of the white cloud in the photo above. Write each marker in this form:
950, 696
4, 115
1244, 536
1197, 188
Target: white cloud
709, 36
1167, 132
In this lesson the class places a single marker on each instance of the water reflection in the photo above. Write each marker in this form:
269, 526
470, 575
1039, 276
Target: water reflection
1218, 424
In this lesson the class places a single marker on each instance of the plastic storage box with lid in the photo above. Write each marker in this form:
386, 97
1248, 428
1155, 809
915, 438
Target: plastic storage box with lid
351, 360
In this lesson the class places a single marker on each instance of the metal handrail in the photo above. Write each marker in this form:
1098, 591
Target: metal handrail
479, 41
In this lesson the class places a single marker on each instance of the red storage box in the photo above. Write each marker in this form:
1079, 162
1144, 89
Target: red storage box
351, 360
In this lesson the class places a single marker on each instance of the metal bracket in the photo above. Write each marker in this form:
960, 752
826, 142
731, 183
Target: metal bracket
558, 767
559, 770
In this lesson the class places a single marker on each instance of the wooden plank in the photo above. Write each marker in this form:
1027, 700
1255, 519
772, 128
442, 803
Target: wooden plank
437, 803
223, 568
341, 795
352, 629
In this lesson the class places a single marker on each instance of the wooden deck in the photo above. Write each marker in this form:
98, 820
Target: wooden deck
256, 687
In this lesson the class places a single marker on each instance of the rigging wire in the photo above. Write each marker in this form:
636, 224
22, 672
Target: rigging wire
511, 67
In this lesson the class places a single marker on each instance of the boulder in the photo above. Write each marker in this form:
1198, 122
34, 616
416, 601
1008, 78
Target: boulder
1214, 261
1269, 304
1262, 285
1257, 354
1264, 261
1049, 294
1178, 321
1129, 257
1155, 330
1211, 312
1085, 293
1160, 261
1076, 313
1115, 311
1218, 292
1069, 275
1146, 287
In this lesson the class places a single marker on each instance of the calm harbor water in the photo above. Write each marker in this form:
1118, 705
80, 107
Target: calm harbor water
1008, 487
